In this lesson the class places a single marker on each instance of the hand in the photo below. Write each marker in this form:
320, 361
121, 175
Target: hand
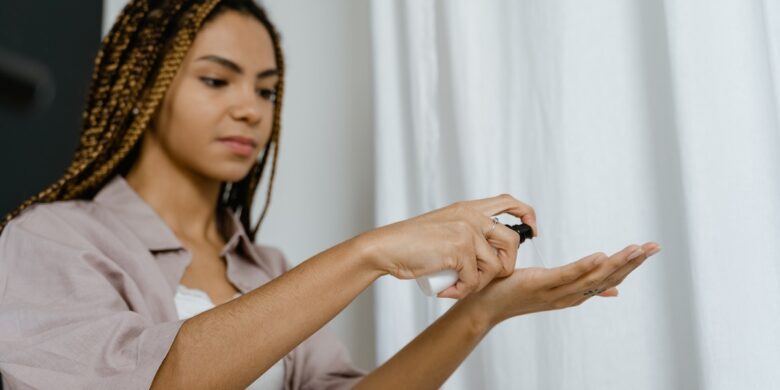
461, 237
532, 290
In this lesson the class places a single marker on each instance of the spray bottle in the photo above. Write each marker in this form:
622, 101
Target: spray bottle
437, 282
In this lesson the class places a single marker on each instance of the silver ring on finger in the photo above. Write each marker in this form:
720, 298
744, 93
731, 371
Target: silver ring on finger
492, 227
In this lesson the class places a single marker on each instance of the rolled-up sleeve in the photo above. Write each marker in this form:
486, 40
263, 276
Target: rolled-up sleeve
322, 362
64, 323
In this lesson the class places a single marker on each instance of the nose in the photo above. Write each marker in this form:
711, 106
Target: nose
247, 107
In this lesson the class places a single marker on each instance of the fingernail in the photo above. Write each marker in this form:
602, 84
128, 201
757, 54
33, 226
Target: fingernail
654, 251
635, 254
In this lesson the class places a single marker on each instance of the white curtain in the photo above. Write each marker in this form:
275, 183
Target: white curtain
620, 122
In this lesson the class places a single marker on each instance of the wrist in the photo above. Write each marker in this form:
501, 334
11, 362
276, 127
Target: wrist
481, 313
369, 251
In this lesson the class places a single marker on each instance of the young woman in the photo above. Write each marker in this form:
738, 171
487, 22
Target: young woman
137, 269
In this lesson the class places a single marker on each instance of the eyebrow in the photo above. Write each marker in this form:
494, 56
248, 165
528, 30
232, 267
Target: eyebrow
235, 67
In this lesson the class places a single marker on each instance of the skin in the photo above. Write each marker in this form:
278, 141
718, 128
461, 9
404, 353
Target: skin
180, 168
182, 163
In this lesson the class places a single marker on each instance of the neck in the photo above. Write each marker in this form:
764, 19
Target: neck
184, 200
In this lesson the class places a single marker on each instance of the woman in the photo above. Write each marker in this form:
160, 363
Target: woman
137, 269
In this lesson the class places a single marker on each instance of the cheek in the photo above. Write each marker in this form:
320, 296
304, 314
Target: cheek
266, 128
192, 121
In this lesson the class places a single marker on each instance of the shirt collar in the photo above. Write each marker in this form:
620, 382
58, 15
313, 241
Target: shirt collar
143, 220
233, 230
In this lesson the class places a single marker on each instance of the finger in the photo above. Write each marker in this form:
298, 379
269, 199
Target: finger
578, 299
506, 203
502, 240
506, 242
488, 263
618, 276
449, 292
610, 292
468, 279
569, 273
606, 266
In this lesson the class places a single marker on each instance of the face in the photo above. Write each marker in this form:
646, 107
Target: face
217, 114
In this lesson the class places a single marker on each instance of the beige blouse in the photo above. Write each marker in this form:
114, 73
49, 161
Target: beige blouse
87, 296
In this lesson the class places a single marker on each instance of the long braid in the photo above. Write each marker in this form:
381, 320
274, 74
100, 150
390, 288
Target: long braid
122, 84
133, 71
107, 78
167, 72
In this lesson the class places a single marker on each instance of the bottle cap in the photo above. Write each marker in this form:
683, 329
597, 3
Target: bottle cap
525, 231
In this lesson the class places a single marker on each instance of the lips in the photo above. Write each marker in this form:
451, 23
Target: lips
243, 146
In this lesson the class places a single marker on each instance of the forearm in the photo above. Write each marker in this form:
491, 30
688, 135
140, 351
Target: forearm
232, 344
433, 356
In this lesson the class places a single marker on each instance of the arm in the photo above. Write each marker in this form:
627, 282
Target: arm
59, 287
249, 334
231, 345
72, 317
431, 357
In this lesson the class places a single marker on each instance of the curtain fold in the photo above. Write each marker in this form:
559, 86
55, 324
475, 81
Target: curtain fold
619, 122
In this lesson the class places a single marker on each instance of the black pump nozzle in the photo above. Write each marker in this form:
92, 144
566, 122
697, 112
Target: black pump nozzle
523, 230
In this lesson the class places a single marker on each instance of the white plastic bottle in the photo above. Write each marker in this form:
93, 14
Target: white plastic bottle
438, 281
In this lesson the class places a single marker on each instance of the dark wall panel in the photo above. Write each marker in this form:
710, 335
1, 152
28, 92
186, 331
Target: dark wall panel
36, 147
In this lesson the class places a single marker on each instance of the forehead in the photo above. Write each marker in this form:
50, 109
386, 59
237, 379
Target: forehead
238, 37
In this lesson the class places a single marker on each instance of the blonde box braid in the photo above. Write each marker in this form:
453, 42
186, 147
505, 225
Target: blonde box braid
133, 70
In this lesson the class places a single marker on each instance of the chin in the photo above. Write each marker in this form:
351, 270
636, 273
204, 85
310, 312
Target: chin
234, 177
229, 172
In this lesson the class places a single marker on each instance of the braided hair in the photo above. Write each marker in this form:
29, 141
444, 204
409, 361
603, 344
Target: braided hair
134, 67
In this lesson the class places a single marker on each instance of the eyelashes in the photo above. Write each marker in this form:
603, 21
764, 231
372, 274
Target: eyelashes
268, 94
213, 83
264, 93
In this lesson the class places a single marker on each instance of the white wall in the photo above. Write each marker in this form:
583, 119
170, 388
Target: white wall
324, 187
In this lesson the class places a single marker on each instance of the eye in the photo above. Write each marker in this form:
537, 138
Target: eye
268, 94
213, 83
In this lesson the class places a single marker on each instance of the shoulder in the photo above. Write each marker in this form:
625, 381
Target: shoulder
78, 227
64, 221
59, 238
